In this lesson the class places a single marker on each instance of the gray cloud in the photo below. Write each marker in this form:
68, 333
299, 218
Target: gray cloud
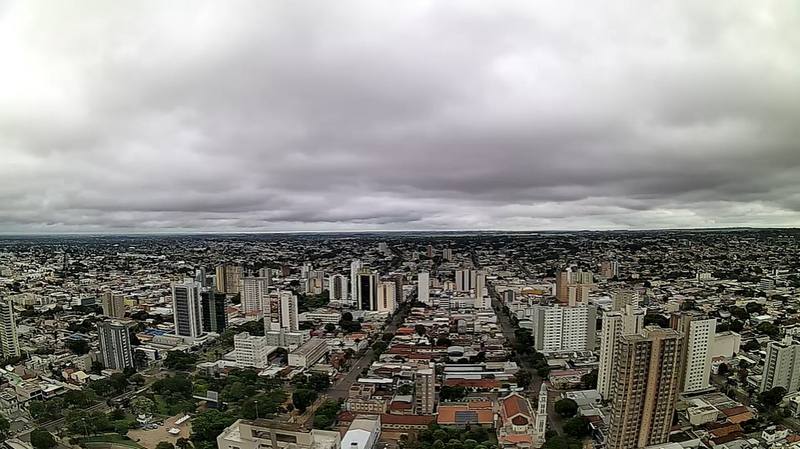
227, 116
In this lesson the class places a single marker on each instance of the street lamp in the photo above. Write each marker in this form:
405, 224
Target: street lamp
256, 402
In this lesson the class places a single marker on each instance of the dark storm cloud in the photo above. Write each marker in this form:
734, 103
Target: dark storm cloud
398, 115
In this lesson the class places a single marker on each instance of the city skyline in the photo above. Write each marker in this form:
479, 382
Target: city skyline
365, 116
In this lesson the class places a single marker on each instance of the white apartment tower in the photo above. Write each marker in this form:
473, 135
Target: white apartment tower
465, 280
281, 312
387, 296
424, 287
251, 350
561, 328
782, 366
253, 291
425, 390
337, 287
616, 324
116, 351
698, 335
113, 305
186, 308
9, 343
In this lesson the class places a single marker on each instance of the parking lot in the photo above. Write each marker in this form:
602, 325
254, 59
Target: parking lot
150, 438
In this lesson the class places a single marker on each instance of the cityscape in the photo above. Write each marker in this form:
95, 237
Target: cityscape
416, 224
473, 340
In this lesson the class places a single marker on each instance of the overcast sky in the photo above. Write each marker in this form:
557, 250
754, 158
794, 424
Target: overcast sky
344, 115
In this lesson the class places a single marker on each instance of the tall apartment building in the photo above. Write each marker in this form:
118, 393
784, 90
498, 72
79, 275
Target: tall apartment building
116, 351
281, 312
251, 350
424, 287
227, 278
563, 280
622, 298
425, 390
573, 287
561, 328
466, 280
646, 375
387, 296
315, 282
430, 252
355, 267
609, 268
186, 309
253, 291
698, 335
616, 324
782, 365
482, 299
212, 304
337, 287
113, 305
447, 254
399, 281
367, 290
9, 342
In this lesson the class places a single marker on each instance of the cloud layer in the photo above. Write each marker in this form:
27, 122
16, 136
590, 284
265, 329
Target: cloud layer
249, 116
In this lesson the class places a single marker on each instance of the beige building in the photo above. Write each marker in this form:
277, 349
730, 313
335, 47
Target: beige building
646, 378
264, 434
425, 390
113, 305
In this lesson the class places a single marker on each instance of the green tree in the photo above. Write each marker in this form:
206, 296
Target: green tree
42, 439
566, 408
78, 346
330, 327
5, 427
523, 378
180, 361
589, 380
208, 425
405, 389
183, 443
771, 398
302, 398
420, 329
165, 445
577, 427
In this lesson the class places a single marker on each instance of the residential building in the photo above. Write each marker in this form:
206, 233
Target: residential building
615, 325
337, 287
387, 296
251, 350
698, 335
227, 278
562, 328
186, 309
424, 287
425, 390
782, 366
466, 280
113, 305
253, 293
9, 342
646, 378
116, 351
281, 312
355, 268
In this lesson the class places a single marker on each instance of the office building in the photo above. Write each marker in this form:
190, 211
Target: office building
253, 293
113, 305
387, 296
782, 366
261, 434
423, 287
698, 335
338, 287
367, 290
116, 351
646, 376
9, 342
186, 309
215, 317
561, 328
425, 390
615, 325
251, 350
355, 267
286, 339
227, 278
309, 353
281, 312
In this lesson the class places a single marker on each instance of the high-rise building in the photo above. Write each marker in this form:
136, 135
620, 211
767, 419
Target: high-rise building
430, 251
563, 280
466, 280
541, 414
782, 365
561, 328
423, 287
482, 300
616, 324
425, 390
227, 278
266, 272
315, 283
253, 291
281, 312
355, 268
609, 269
447, 254
387, 296
399, 282
337, 287
116, 351
622, 298
186, 309
646, 374
9, 342
698, 335
213, 304
367, 285
306, 269
113, 305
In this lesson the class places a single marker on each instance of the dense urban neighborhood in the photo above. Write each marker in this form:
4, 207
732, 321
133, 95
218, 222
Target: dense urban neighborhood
485, 340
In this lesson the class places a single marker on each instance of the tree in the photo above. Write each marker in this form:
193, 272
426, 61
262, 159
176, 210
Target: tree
208, 425
347, 316
405, 389
420, 329
330, 327
143, 406
589, 380
302, 398
523, 378
576, 427
723, 369
566, 408
751, 345
42, 439
165, 445
183, 443
5, 427
772, 397
769, 329
180, 361
78, 346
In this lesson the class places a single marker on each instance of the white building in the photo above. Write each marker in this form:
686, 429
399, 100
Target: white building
782, 366
465, 280
355, 267
116, 351
387, 296
561, 328
113, 305
337, 287
424, 287
280, 312
629, 321
244, 434
309, 354
363, 433
251, 350
9, 343
698, 334
186, 309
253, 291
